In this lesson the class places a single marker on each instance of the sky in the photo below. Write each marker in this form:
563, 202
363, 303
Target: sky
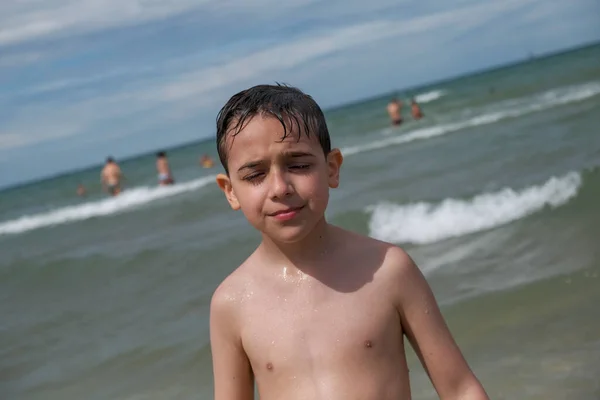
82, 79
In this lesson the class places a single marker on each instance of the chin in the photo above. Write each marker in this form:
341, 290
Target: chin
288, 234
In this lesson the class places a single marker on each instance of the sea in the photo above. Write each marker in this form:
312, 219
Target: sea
495, 194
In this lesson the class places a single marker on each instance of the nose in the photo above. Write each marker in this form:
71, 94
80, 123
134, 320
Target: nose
280, 184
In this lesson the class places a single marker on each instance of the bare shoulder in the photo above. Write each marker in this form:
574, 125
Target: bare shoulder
407, 286
231, 290
398, 263
397, 272
227, 298
393, 259
392, 263
401, 271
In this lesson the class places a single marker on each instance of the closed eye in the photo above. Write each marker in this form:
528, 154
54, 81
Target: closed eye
300, 166
253, 177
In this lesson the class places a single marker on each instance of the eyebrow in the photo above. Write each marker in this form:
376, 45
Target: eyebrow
286, 154
297, 154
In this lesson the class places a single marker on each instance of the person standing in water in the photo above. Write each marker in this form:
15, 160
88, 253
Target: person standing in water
315, 311
394, 110
111, 177
416, 110
81, 192
164, 171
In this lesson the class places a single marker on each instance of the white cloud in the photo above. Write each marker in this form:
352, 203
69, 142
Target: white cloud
10, 140
543, 11
292, 54
21, 58
25, 20
73, 82
21, 21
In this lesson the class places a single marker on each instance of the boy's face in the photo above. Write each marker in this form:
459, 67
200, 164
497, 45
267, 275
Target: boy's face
282, 187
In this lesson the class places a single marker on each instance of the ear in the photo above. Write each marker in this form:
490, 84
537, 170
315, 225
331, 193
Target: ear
225, 185
334, 162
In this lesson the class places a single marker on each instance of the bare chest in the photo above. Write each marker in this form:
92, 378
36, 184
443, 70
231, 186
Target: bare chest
312, 330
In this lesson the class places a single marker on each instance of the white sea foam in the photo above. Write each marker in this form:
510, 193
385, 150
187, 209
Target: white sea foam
508, 109
128, 199
429, 96
422, 222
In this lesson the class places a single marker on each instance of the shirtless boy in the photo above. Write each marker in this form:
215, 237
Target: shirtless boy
163, 169
394, 110
416, 110
316, 312
111, 177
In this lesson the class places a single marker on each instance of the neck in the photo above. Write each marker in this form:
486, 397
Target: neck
304, 255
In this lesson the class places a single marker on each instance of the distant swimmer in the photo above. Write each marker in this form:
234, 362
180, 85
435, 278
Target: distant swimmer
206, 161
164, 171
394, 110
416, 110
81, 192
111, 177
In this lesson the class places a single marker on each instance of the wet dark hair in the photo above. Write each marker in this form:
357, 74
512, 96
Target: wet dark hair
160, 154
286, 103
109, 159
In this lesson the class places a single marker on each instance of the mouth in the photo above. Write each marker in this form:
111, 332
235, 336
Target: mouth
286, 214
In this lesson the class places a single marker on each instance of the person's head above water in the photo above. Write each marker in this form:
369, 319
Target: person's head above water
275, 147
296, 111
110, 160
161, 154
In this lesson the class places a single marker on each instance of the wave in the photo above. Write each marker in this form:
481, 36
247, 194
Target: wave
429, 96
128, 199
549, 99
422, 223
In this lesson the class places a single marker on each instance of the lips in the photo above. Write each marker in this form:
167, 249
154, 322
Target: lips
286, 214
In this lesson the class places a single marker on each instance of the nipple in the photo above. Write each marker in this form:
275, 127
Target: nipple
269, 366
368, 344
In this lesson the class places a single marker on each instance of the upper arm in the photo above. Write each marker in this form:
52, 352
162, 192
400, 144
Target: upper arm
430, 337
233, 377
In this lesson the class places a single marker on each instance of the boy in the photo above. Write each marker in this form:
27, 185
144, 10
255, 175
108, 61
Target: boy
163, 169
394, 110
111, 177
316, 312
416, 110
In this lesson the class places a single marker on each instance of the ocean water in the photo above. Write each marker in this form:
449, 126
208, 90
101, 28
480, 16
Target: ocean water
495, 194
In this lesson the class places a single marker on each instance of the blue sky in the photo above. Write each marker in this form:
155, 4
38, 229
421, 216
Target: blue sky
81, 79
